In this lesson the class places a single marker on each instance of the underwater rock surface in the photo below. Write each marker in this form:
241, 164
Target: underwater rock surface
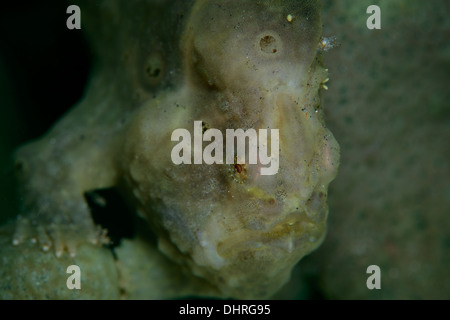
161, 66
28, 273
387, 105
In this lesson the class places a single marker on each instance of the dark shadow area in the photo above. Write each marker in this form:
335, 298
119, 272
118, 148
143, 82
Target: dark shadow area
44, 68
109, 210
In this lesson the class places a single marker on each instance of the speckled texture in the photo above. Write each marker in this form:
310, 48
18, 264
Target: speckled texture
28, 273
388, 106
145, 273
230, 64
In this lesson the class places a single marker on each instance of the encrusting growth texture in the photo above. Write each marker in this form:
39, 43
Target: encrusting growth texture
230, 64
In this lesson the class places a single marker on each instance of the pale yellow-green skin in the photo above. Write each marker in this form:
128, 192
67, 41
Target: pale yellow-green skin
242, 232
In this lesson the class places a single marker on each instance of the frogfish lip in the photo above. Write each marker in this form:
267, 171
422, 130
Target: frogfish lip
286, 235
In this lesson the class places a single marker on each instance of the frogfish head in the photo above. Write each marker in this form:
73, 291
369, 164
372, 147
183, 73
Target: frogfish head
243, 225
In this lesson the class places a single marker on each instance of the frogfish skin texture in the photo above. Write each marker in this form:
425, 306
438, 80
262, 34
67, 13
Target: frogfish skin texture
160, 66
